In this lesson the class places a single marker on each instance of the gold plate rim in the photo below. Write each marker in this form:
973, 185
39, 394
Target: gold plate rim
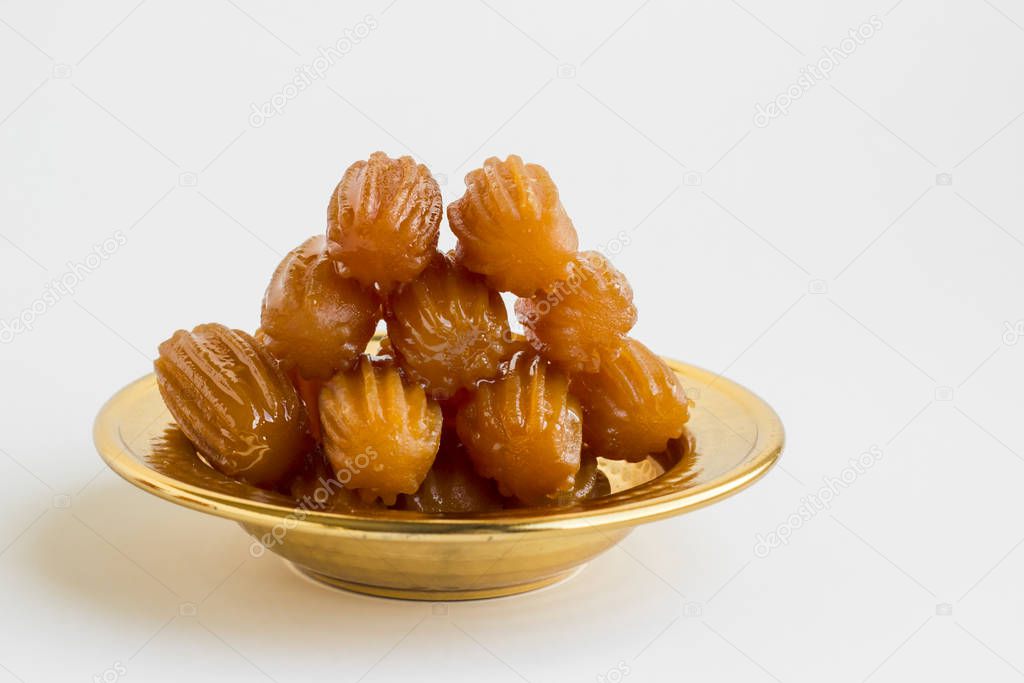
764, 454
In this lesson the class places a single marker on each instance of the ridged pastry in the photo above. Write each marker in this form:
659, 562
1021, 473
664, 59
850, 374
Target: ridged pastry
448, 329
632, 406
380, 432
382, 220
524, 429
233, 402
512, 227
582, 318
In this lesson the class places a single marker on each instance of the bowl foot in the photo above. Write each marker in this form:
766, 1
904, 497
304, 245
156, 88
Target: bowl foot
441, 595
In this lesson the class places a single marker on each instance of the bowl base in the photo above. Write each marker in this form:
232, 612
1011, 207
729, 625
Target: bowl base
440, 595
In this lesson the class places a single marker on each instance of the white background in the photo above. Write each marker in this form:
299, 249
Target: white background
823, 260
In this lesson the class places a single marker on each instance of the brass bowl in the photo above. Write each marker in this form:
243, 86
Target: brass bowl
732, 439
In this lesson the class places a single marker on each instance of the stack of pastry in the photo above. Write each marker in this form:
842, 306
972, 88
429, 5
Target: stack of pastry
455, 413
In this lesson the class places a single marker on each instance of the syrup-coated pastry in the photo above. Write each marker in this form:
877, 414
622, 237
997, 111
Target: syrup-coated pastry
309, 393
380, 432
233, 402
456, 414
632, 406
582, 318
453, 485
448, 328
315, 320
315, 487
382, 220
524, 430
512, 227
589, 483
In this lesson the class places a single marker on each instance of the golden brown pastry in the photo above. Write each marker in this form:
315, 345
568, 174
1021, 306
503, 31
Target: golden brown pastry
315, 487
456, 414
447, 328
524, 429
382, 220
512, 227
233, 402
452, 485
589, 483
632, 406
314, 320
583, 318
380, 432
